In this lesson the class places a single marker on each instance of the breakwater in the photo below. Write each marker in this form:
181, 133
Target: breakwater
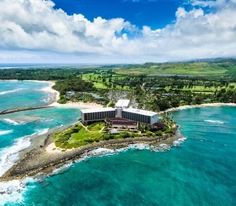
10, 111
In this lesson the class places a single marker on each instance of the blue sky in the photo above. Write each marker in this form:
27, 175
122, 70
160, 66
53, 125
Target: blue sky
116, 31
154, 13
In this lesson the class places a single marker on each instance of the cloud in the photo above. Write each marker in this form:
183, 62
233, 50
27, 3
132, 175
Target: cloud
35, 27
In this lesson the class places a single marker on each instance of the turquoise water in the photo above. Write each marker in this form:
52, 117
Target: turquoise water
201, 171
15, 94
17, 128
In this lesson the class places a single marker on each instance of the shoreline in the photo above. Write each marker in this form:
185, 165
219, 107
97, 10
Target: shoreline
56, 96
43, 144
217, 104
43, 159
75, 105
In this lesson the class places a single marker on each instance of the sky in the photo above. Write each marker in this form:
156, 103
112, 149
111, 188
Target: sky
116, 31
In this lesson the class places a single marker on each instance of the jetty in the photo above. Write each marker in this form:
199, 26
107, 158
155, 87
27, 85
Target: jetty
21, 109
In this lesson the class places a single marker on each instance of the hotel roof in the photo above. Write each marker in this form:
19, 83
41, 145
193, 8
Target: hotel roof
122, 103
105, 109
140, 111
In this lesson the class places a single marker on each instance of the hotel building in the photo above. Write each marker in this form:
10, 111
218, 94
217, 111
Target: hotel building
98, 114
122, 111
139, 115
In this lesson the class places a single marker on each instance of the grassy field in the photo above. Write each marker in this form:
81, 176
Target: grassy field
79, 135
202, 69
102, 81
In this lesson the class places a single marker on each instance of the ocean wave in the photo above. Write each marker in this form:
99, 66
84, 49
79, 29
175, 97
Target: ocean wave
179, 141
42, 131
10, 121
101, 152
11, 91
5, 132
9, 155
214, 121
12, 191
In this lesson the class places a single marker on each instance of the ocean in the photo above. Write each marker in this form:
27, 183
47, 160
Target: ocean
199, 171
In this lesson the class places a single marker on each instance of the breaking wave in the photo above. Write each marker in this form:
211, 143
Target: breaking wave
214, 121
12, 191
10, 121
9, 155
5, 132
11, 91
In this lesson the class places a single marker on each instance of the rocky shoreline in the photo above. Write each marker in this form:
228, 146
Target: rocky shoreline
38, 161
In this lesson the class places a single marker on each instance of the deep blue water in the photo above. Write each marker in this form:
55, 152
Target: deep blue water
201, 171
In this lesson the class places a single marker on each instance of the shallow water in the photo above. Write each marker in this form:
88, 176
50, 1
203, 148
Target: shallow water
14, 94
201, 171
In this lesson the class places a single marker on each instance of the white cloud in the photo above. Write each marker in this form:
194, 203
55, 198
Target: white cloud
35, 27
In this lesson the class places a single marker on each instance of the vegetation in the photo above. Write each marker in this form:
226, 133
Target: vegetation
213, 69
80, 135
72, 85
150, 86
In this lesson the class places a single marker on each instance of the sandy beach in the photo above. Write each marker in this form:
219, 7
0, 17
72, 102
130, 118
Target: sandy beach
76, 105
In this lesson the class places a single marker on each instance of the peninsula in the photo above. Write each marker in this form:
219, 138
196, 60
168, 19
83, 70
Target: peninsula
108, 128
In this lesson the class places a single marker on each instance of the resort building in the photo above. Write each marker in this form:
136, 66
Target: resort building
98, 114
120, 117
139, 115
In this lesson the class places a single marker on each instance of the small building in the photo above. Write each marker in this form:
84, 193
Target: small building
139, 115
122, 124
98, 114
122, 103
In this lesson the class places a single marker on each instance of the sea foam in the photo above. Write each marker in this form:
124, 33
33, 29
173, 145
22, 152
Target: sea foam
10, 121
214, 121
11, 91
9, 155
5, 132
12, 191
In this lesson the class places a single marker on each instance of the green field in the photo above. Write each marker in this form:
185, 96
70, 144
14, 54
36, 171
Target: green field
201, 69
79, 135
104, 81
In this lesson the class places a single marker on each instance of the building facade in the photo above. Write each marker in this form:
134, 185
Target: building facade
138, 115
93, 115
121, 111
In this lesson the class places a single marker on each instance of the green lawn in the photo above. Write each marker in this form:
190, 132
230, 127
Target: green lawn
79, 135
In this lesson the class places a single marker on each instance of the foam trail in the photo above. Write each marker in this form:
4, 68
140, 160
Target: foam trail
5, 132
179, 141
9, 155
214, 121
42, 131
12, 191
11, 121
11, 91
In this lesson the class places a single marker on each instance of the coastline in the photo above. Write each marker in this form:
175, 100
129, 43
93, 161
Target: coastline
44, 159
75, 105
56, 96
197, 106
56, 158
